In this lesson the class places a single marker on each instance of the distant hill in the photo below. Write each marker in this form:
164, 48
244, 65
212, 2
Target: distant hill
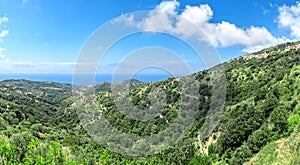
106, 86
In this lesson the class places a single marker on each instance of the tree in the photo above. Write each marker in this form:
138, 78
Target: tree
8, 153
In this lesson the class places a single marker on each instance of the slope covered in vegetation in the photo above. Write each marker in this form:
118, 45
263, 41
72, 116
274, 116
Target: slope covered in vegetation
259, 123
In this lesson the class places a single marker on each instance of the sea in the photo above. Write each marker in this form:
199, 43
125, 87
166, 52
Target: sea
68, 78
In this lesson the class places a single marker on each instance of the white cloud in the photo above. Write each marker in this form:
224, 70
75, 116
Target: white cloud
289, 17
3, 33
222, 34
128, 20
157, 22
58, 63
4, 19
198, 15
168, 7
22, 64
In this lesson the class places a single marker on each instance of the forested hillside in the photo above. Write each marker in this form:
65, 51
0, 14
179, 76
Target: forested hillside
260, 122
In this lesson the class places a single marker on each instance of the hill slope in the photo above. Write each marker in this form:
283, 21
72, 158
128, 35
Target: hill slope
39, 124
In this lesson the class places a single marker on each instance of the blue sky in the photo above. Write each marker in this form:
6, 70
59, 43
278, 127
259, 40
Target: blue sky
45, 36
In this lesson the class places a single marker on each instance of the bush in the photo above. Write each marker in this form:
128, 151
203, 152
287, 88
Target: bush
293, 122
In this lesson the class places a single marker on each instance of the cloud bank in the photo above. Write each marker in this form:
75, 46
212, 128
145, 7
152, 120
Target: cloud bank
166, 18
289, 17
3, 32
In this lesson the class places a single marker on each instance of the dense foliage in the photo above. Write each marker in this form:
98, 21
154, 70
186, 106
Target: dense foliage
259, 123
